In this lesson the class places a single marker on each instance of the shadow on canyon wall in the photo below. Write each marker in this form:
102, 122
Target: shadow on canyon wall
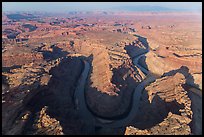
137, 48
185, 71
58, 96
117, 106
55, 54
133, 49
195, 99
5, 85
151, 114
8, 69
143, 40
142, 62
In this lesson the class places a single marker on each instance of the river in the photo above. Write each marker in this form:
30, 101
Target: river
94, 121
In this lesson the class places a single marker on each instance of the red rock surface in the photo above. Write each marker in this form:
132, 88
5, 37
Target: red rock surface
43, 70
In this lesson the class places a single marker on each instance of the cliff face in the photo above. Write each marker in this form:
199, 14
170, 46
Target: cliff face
172, 125
42, 69
167, 108
159, 65
169, 63
23, 85
45, 125
101, 73
112, 81
173, 91
58, 96
196, 98
52, 85
125, 80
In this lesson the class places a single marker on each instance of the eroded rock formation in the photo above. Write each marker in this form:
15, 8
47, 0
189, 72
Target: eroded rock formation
166, 108
45, 125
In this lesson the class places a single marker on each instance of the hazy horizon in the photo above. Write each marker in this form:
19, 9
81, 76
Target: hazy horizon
94, 6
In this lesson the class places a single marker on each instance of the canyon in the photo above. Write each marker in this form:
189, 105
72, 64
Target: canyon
94, 73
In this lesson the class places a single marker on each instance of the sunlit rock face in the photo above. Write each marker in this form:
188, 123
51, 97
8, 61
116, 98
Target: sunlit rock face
44, 57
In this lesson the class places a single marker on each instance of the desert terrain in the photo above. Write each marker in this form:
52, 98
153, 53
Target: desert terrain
128, 73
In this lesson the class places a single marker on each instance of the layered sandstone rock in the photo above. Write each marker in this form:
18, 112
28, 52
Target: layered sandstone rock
196, 99
166, 106
26, 75
23, 85
172, 125
32, 82
101, 73
165, 109
21, 59
45, 125
171, 91
126, 78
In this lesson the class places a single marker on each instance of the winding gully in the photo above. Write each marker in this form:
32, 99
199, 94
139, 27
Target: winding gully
94, 121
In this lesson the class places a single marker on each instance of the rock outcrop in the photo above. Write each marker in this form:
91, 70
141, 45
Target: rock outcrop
23, 85
125, 78
101, 73
172, 125
21, 59
168, 108
45, 125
